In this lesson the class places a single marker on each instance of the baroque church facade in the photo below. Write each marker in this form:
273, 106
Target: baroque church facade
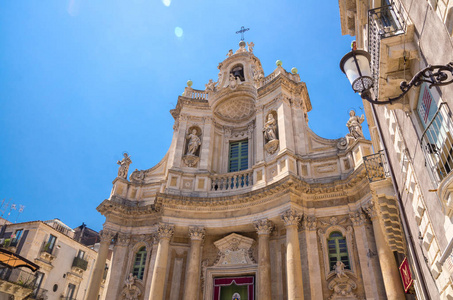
249, 203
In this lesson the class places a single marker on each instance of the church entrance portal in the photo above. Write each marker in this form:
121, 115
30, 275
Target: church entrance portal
234, 288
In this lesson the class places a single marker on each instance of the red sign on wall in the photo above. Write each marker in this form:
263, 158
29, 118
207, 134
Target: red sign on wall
406, 275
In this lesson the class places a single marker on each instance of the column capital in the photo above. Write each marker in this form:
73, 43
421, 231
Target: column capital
263, 226
310, 223
196, 233
107, 235
357, 217
123, 239
165, 231
291, 217
371, 210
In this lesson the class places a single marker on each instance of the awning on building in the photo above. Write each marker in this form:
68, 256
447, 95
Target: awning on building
13, 260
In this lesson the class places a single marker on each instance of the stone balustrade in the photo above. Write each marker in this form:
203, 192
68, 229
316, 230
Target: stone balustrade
232, 181
198, 94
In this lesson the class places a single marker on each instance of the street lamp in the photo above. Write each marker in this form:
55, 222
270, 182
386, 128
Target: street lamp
356, 66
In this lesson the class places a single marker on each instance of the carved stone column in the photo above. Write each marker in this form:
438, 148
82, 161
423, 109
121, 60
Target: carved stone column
293, 263
314, 265
389, 268
165, 233
367, 266
99, 266
264, 228
117, 270
191, 286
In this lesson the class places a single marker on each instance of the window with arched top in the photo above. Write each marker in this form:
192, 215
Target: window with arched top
139, 263
338, 250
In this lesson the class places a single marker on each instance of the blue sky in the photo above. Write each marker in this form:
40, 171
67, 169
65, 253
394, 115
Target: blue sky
81, 81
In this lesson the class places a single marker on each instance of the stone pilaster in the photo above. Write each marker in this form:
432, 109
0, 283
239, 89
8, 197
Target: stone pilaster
264, 228
389, 268
118, 266
259, 138
165, 232
293, 263
99, 266
314, 265
367, 264
192, 284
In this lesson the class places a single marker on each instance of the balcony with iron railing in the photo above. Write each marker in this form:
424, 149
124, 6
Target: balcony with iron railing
16, 282
376, 166
437, 145
79, 264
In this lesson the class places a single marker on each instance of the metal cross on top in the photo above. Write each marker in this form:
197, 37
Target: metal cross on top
242, 32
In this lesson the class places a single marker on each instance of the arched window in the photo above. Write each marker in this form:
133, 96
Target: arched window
238, 71
338, 250
139, 263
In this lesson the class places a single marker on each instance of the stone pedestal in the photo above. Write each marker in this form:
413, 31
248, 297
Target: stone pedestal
264, 228
99, 267
293, 263
192, 283
390, 273
165, 233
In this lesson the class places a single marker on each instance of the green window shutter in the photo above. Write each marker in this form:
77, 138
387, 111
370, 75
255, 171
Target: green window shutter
139, 263
338, 250
238, 156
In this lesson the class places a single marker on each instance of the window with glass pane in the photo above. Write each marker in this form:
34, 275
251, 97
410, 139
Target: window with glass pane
50, 244
338, 250
238, 160
139, 263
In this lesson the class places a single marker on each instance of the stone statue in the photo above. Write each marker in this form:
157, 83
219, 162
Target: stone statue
194, 143
210, 86
124, 165
355, 129
130, 281
230, 53
339, 269
270, 128
251, 45
234, 81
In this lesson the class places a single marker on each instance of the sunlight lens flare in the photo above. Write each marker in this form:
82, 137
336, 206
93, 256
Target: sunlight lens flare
166, 2
179, 32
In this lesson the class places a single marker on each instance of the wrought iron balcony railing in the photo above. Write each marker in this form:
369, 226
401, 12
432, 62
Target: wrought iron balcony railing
80, 263
18, 276
437, 143
376, 166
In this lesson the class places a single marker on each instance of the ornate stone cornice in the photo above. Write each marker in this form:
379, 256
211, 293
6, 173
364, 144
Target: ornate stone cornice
165, 231
263, 226
291, 217
107, 235
357, 218
196, 233
127, 207
310, 223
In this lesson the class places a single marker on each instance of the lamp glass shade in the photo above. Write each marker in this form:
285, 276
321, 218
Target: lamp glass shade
356, 66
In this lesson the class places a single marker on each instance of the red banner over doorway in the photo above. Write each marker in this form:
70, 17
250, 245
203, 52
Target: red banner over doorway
248, 281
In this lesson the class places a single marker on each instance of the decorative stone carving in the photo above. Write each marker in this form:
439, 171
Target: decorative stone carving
165, 231
236, 109
342, 143
196, 233
194, 142
130, 281
230, 53
291, 217
310, 223
263, 226
138, 176
353, 124
191, 161
106, 235
371, 210
342, 285
357, 218
234, 250
131, 291
270, 134
123, 239
233, 81
210, 86
124, 165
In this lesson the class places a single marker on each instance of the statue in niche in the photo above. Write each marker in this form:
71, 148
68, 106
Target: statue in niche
210, 86
270, 128
234, 81
130, 280
353, 124
194, 143
124, 165
270, 134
